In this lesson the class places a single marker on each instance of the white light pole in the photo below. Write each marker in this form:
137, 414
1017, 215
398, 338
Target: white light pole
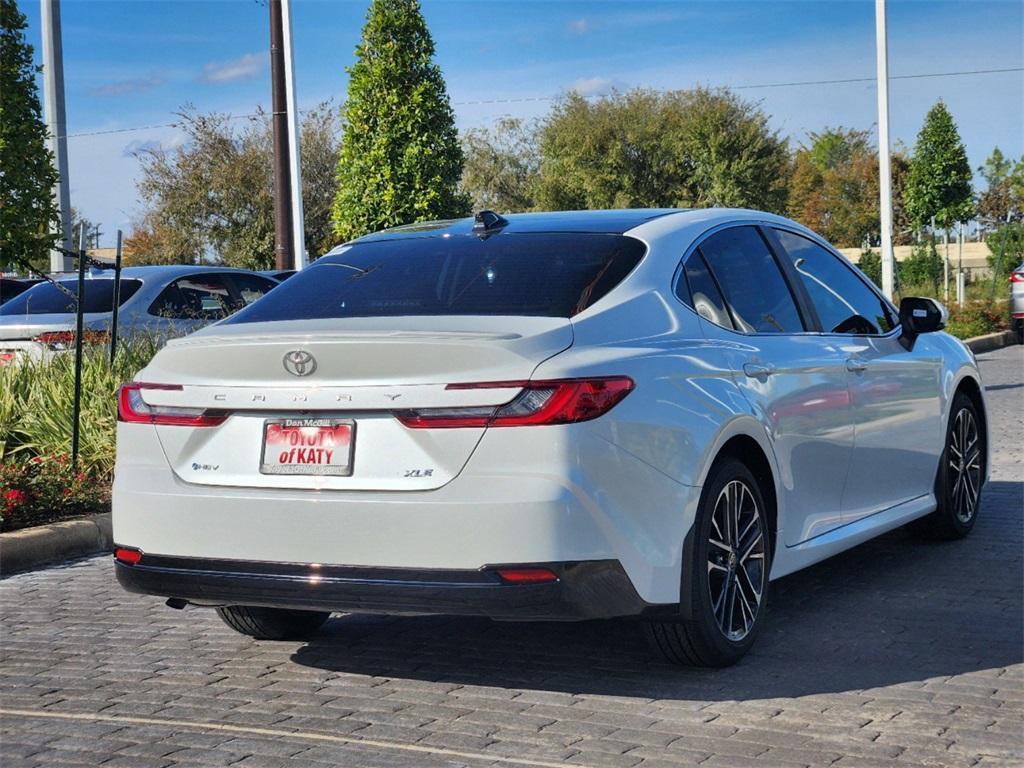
884, 170
295, 166
53, 103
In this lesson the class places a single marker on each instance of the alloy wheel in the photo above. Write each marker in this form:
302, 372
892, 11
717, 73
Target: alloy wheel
736, 560
964, 467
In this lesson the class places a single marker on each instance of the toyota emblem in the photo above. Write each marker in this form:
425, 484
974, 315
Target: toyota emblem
298, 362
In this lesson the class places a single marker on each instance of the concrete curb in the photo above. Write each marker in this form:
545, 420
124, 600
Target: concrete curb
991, 341
33, 547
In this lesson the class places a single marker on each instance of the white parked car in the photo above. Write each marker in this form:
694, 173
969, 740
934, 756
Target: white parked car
643, 413
171, 300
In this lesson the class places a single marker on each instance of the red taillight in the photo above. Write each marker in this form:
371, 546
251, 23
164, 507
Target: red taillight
127, 556
562, 401
527, 575
66, 339
1017, 277
131, 408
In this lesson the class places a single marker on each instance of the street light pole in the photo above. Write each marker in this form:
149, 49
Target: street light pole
53, 102
284, 245
294, 146
884, 169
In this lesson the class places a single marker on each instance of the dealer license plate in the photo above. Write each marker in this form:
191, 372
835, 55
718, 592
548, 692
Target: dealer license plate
308, 447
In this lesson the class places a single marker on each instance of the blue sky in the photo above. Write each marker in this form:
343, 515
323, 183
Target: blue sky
134, 63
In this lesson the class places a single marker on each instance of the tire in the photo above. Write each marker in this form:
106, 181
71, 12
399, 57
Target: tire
958, 484
1018, 326
716, 636
272, 623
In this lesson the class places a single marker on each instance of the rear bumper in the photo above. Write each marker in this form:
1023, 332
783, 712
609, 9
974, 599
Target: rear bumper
583, 590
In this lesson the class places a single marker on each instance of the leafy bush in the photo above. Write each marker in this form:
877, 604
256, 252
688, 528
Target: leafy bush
36, 406
870, 264
976, 318
922, 267
44, 488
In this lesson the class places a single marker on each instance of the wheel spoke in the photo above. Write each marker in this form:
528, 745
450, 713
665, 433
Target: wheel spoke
720, 544
757, 540
750, 583
712, 566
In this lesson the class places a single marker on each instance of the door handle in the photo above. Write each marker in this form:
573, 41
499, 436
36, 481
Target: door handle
855, 365
756, 371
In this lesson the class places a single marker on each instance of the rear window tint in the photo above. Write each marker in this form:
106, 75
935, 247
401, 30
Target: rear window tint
547, 275
48, 299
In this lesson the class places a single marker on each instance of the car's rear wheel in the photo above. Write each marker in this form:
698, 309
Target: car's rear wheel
958, 487
729, 573
272, 623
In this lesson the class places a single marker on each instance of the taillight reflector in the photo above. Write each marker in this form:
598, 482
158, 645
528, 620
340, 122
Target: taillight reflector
66, 339
132, 409
558, 401
527, 575
127, 556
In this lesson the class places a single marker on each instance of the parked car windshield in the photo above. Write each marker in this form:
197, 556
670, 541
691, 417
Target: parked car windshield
48, 299
548, 275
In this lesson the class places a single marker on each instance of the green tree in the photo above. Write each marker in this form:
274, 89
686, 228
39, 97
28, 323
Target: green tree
1003, 199
502, 166
29, 218
400, 157
939, 178
694, 148
213, 195
1006, 249
834, 188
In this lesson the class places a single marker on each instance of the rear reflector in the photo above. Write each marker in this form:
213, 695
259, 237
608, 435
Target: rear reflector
1017, 277
132, 409
58, 340
527, 575
127, 556
559, 401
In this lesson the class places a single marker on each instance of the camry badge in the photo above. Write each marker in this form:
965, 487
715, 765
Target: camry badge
298, 362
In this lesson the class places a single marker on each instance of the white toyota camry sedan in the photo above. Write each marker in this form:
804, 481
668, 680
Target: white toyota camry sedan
551, 416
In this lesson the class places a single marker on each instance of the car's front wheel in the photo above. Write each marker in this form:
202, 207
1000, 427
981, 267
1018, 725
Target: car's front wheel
272, 623
958, 487
729, 576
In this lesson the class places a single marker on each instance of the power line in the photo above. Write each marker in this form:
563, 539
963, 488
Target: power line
553, 97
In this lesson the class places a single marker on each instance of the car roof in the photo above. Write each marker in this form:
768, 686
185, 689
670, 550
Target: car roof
155, 272
599, 222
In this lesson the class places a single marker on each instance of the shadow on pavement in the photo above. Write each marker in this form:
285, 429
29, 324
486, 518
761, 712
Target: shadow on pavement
895, 610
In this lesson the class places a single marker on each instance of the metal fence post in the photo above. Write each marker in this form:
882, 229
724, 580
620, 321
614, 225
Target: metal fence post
79, 321
117, 299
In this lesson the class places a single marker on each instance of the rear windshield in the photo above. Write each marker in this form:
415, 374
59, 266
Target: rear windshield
48, 299
546, 275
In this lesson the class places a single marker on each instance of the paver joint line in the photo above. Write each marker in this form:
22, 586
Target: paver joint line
279, 733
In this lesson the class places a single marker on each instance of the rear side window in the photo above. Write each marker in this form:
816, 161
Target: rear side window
250, 287
48, 299
196, 297
546, 275
844, 302
705, 298
757, 294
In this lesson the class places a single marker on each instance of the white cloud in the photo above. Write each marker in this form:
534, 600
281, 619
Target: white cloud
122, 87
243, 68
594, 86
579, 26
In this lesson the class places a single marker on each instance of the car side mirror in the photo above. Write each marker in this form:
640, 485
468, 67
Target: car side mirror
920, 315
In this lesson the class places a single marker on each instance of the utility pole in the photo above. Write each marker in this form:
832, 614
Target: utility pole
53, 104
294, 142
284, 245
884, 170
